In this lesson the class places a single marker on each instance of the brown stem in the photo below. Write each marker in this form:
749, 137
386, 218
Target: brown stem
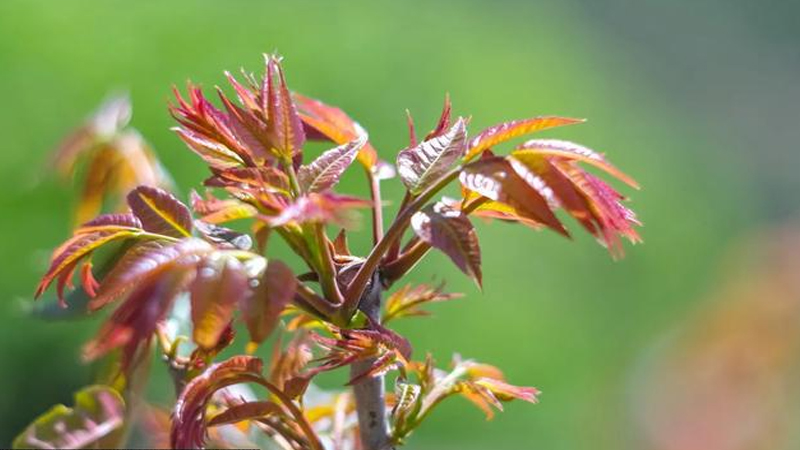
417, 249
367, 270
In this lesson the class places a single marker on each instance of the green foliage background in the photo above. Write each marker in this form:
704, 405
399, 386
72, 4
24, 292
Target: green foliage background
555, 314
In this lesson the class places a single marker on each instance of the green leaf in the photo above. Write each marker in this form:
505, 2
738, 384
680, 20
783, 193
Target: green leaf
95, 421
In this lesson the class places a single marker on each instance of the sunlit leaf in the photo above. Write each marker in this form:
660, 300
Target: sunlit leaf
496, 179
408, 300
324, 172
325, 207
285, 127
553, 148
145, 259
160, 212
335, 125
216, 211
450, 231
221, 283
262, 309
95, 421
424, 164
213, 153
66, 257
506, 131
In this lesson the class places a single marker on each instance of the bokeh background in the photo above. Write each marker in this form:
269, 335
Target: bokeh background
690, 342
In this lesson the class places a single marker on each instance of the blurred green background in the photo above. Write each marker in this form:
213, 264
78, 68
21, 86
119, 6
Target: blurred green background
697, 100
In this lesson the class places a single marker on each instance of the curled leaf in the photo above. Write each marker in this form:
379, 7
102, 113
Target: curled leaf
95, 421
450, 231
189, 424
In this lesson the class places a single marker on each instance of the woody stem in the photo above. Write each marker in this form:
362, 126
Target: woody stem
369, 392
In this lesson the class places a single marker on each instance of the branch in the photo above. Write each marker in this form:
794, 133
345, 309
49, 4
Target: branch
359, 283
370, 394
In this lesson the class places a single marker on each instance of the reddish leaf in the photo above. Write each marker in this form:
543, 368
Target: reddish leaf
120, 220
216, 211
145, 259
221, 283
494, 178
324, 172
285, 127
66, 257
423, 165
249, 129
262, 309
267, 178
334, 124
189, 424
213, 153
450, 231
553, 148
160, 212
612, 217
444, 119
132, 325
245, 411
506, 131
205, 121
325, 207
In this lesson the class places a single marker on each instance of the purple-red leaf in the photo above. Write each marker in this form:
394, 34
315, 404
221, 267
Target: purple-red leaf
220, 284
263, 308
324, 172
285, 128
132, 325
160, 212
450, 231
503, 132
495, 179
66, 257
189, 424
246, 411
213, 153
324, 207
145, 259
424, 164
334, 124
554, 148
